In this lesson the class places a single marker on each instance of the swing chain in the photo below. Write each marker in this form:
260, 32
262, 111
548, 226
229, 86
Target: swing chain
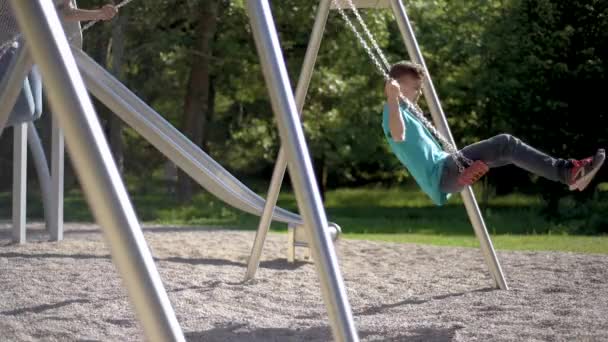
456, 155
362, 41
369, 35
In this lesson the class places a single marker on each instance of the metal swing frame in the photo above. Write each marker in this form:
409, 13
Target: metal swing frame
107, 196
51, 181
437, 114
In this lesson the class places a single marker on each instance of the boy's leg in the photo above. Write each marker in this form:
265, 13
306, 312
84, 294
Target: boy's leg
502, 150
506, 149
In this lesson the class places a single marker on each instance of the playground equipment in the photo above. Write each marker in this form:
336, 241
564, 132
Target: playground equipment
177, 147
21, 116
430, 95
67, 70
49, 49
15, 57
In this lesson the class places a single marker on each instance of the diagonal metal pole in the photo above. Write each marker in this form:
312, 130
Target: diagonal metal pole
281, 164
96, 169
407, 32
300, 170
12, 83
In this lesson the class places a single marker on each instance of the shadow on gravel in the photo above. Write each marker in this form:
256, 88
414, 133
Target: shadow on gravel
431, 334
241, 332
52, 255
373, 310
276, 264
43, 307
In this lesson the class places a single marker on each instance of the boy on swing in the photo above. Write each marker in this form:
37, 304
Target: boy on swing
437, 173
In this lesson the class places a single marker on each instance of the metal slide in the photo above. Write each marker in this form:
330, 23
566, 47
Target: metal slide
172, 143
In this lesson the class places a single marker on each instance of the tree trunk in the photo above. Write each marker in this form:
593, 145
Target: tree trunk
320, 169
487, 184
209, 116
197, 100
115, 62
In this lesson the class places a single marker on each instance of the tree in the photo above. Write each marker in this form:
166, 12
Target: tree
115, 63
197, 109
549, 64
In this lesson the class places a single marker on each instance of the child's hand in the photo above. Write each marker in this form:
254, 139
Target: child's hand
392, 89
107, 12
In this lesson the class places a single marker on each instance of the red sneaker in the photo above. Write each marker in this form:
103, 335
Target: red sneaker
584, 170
471, 174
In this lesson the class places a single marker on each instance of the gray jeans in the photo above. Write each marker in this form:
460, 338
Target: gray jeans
502, 150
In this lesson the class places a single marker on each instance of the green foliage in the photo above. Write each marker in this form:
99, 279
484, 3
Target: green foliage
585, 216
533, 68
547, 67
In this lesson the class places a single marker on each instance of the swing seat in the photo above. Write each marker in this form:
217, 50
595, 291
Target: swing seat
28, 106
473, 173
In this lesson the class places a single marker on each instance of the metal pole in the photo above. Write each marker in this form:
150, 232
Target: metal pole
97, 171
57, 180
407, 32
279, 168
12, 83
19, 182
300, 170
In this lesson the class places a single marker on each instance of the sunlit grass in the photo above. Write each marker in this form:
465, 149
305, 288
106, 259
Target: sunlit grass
544, 242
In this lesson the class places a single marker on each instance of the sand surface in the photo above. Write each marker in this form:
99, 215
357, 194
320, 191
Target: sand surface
70, 291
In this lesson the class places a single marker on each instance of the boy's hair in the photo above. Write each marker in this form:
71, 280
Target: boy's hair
404, 68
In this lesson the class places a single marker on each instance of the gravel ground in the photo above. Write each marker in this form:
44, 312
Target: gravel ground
70, 291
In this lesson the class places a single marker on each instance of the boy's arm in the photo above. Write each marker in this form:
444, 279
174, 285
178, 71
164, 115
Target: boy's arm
395, 120
71, 13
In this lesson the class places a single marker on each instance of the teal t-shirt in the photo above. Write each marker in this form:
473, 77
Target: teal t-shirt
419, 152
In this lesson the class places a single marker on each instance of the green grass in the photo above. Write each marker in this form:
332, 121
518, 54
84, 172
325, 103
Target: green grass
397, 214
405, 211
544, 242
